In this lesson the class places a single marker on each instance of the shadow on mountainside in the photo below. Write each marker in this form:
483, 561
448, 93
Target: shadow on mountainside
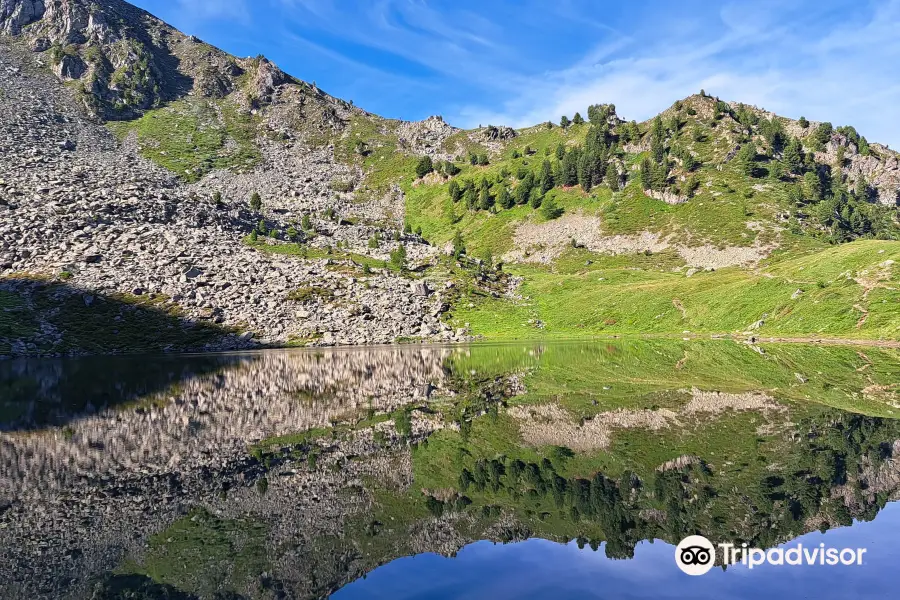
45, 318
50, 318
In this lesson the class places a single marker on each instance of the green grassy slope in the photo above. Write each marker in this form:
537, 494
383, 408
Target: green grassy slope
845, 291
192, 137
588, 378
52, 317
806, 287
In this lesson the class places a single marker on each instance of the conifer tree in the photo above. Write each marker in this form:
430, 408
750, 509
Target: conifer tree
657, 140
470, 197
569, 167
839, 158
546, 180
455, 191
398, 257
746, 159
550, 209
691, 185
560, 151
585, 170
612, 177
812, 187
793, 156
861, 191
773, 131
864, 146
690, 163
776, 170
505, 199
459, 246
523, 190
424, 166
485, 200
646, 174
823, 133
659, 175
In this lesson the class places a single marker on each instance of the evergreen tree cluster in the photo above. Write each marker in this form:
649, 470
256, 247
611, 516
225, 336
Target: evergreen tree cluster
766, 149
827, 449
818, 191
656, 169
599, 499
593, 163
862, 145
846, 215
588, 165
480, 159
822, 192
442, 167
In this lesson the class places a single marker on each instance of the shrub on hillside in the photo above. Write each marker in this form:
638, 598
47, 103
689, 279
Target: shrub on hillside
424, 166
550, 209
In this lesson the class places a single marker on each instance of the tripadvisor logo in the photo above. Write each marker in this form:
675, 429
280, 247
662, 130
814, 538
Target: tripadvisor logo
696, 555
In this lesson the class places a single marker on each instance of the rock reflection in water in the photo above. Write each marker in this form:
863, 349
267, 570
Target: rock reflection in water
193, 475
201, 415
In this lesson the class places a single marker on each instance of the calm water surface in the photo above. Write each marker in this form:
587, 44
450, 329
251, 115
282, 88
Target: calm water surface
509, 471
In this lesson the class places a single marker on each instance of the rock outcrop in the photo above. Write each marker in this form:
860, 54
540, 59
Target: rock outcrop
880, 169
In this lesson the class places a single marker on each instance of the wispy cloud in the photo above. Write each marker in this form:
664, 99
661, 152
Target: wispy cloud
827, 69
523, 62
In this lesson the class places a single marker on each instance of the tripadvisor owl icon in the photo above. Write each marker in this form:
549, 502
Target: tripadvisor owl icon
695, 555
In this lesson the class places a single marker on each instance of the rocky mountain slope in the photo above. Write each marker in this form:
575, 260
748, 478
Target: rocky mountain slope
83, 207
157, 173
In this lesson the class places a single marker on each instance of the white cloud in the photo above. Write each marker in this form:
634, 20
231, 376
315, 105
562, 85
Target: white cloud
843, 72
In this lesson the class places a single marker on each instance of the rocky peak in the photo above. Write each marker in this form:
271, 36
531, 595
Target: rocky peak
63, 21
266, 79
15, 14
125, 59
493, 133
426, 136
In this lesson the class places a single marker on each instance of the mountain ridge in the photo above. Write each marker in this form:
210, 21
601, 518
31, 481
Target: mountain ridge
270, 189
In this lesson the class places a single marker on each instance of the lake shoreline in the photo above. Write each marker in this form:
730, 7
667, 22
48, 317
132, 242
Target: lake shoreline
747, 339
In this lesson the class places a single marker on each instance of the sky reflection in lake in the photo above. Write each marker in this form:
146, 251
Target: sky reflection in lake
538, 569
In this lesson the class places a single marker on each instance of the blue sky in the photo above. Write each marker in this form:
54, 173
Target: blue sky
520, 62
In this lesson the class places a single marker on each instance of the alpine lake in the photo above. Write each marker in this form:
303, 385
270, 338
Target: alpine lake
520, 470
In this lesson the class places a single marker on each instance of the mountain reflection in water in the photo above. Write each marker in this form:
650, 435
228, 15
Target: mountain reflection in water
290, 474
